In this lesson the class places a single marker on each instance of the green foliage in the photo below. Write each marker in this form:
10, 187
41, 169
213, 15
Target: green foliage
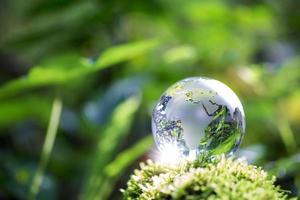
219, 178
123, 160
12, 111
96, 55
67, 68
108, 141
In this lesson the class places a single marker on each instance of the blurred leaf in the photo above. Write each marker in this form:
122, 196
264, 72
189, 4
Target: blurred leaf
73, 15
286, 133
285, 166
16, 110
286, 79
74, 67
125, 158
124, 52
290, 105
180, 53
107, 144
99, 110
113, 170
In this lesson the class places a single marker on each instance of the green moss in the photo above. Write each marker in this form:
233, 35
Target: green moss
217, 178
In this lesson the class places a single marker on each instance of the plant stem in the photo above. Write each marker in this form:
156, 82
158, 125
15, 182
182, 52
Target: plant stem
47, 147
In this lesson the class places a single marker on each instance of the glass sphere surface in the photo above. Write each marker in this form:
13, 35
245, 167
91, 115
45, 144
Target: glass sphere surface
197, 115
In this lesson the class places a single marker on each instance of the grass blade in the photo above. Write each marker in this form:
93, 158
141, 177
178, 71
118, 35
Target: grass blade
113, 170
107, 145
47, 147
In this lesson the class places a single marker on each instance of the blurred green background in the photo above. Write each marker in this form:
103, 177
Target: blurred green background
79, 80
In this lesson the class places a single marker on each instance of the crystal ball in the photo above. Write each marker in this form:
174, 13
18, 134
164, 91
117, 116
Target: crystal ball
198, 115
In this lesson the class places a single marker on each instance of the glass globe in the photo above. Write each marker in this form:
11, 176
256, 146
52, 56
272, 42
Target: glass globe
197, 115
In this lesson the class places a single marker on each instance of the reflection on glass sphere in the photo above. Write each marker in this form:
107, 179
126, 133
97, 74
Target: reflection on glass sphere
198, 115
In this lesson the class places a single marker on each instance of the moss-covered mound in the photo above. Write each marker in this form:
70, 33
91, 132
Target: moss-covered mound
218, 178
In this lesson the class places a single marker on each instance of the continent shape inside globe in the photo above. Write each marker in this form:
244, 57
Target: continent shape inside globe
198, 115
